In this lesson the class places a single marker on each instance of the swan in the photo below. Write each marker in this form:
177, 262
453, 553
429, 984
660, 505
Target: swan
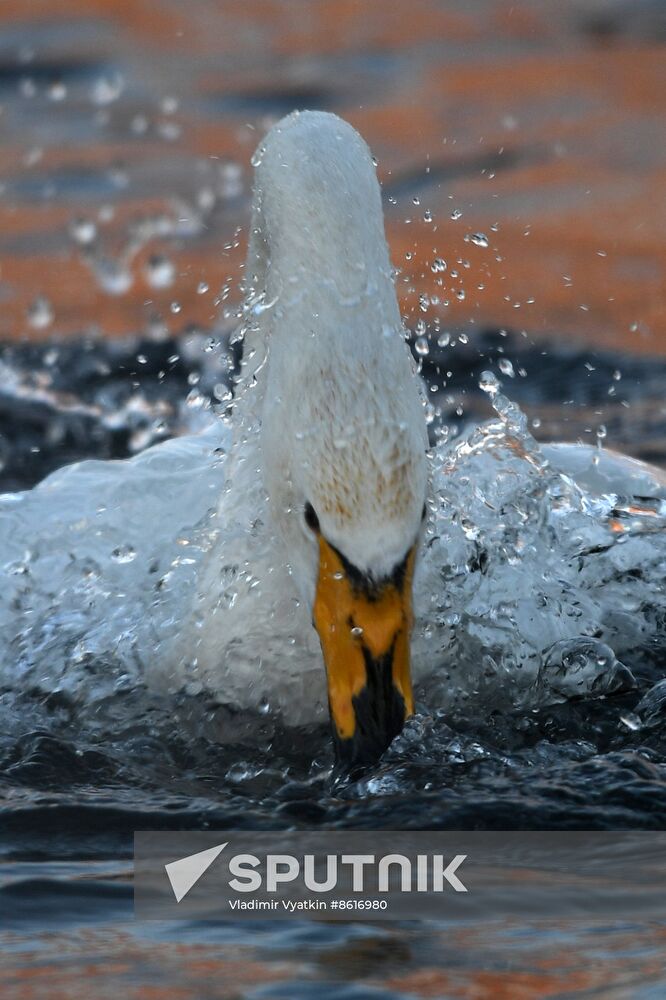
331, 486
337, 434
307, 555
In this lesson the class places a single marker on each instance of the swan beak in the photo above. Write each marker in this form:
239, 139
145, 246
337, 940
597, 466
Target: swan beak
364, 630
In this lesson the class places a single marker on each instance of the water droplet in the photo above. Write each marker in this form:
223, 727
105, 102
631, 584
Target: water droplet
260, 305
456, 214
107, 89
582, 665
57, 91
421, 346
506, 367
489, 383
160, 271
631, 721
113, 276
175, 307
40, 313
169, 130
438, 265
357, 631
427, 215
202, 288
258, 156
83, 231
478, 239
169, 105
444, 340
123, 554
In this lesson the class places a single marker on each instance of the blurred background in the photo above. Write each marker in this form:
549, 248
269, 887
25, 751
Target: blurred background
521, 145
522, 151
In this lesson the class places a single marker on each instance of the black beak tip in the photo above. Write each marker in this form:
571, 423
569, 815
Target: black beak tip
377, 725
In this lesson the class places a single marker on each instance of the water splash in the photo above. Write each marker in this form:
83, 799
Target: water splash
532, 585
540, 581
538, 590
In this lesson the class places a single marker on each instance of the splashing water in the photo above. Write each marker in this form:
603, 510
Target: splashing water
542, 574
538, 643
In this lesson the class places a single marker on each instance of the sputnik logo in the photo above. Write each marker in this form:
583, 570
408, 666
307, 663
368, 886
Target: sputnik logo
431, 871
184, 873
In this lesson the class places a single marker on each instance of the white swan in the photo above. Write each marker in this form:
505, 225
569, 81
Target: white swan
204, 562
329, 458
334, 423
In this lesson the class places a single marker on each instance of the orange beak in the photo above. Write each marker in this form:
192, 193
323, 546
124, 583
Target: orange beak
364, 629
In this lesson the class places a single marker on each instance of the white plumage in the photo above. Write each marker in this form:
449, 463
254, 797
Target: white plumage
330, 411
191, 565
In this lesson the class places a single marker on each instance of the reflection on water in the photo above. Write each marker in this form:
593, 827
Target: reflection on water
519, 146
353, 961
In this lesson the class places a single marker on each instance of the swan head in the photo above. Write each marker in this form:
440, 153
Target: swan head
343, 434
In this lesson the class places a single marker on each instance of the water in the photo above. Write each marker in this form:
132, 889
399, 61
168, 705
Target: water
538, 647
543, 617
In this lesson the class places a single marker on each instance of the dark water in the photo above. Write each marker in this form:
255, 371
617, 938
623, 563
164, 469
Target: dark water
595, 763
63, 401
71, 795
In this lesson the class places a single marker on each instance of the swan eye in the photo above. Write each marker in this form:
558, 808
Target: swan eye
311, 518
